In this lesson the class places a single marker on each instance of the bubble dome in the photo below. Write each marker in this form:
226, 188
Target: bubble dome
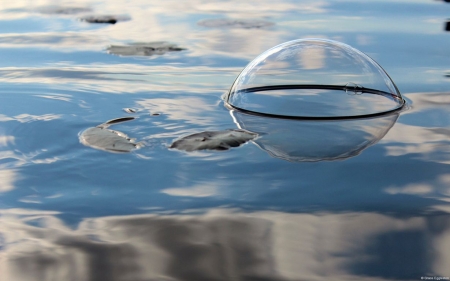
314, 79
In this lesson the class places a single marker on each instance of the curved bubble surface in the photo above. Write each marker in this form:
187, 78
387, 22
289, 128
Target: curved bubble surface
316, 79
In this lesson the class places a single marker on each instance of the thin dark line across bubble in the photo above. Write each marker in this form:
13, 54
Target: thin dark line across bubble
347, 88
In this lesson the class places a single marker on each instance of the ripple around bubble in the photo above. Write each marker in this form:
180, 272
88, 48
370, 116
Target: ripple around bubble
314, 79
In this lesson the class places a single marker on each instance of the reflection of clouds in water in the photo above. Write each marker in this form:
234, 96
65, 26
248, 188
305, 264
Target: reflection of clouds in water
7, 179
418, 189
225, 245
233, 7
65, 41
63, 10
26, 118
191, 109
242, 43
5, 140
423, 101
113, 78
239, 43
235, 23
262, 8
200, 190
28, 145
429, 143
364, 40
439, 188
425, 143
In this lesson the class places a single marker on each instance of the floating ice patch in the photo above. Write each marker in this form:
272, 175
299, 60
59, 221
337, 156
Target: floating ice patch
101, 138
215, 140
235, 23
104, 19
144, 49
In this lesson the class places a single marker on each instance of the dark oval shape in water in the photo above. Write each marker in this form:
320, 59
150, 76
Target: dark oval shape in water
110, 19
144, 49
214, 140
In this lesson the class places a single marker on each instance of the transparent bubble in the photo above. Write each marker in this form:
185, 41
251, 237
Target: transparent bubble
314, 79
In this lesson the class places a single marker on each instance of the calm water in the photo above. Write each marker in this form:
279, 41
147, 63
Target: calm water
349, 200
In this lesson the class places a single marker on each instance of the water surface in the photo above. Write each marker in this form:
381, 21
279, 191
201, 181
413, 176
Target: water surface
366, 200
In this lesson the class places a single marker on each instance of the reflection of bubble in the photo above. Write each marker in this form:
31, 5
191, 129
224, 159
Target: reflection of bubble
315, 140
235, 23
314, 78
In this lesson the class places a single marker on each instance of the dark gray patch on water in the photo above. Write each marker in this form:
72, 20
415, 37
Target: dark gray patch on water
110, 19
235, 23
144, 49
101, 138
214, 140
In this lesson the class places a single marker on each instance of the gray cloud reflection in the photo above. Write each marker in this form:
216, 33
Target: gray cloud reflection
429, 142
113, 78
223, 245
63, 10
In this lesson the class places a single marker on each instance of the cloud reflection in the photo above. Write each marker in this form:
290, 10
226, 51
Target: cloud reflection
224, 245
201, 190
7, 179
430, 142
119, 78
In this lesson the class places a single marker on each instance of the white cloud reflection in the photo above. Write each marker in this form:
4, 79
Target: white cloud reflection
124, 78
7, 179
430, 143
194, 110
158, 16
418, 189
201, 190
223, 245
6, 140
